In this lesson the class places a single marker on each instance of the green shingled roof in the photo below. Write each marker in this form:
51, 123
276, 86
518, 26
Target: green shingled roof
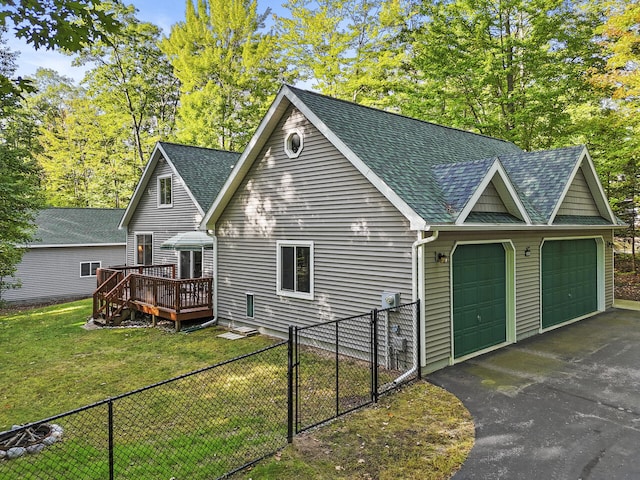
435, 169
78, 226
402, 151
204, 170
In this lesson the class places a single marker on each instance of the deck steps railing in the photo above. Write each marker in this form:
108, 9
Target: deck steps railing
155, 291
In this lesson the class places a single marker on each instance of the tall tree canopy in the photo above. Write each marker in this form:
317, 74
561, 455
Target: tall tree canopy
228, 68
347, 48
55, 24
19, 176
505, 68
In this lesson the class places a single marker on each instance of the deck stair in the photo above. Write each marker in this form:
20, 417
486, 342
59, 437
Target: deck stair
153, 290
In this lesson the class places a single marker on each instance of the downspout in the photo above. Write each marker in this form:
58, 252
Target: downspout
214, 284
417, 278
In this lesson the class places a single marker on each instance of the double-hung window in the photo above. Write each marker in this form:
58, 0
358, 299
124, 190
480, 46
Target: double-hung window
165, 198
295, 269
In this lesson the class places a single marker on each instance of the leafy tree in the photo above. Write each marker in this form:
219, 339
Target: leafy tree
228, 69
65, 24
134, 78
19, 177
348, 48
620, 79
506, 68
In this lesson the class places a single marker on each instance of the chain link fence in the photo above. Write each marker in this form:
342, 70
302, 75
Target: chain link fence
213, 422
202, 425
345, 364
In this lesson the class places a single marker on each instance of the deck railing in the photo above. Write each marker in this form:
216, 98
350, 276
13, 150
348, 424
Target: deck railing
149, 286
170, 294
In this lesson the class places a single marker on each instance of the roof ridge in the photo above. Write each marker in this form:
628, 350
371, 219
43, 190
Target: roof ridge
81, 208
379, 110
197, 146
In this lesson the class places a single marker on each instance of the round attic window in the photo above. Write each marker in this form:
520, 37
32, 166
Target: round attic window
293, 144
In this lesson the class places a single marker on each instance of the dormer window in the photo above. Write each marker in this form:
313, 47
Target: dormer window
293, 144
165, 198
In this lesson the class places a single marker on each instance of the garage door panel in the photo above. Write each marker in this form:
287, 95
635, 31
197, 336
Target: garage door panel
479, 298
569, 280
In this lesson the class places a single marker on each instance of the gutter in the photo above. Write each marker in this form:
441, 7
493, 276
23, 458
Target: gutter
417, 278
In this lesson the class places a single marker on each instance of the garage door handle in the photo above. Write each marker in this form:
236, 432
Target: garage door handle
479, 318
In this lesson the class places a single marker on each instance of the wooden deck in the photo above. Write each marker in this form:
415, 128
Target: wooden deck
153, 290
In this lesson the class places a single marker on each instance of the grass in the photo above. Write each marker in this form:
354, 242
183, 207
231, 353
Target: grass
49, 365
209, 423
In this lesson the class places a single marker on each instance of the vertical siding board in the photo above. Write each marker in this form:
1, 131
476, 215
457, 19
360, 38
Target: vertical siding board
362, 244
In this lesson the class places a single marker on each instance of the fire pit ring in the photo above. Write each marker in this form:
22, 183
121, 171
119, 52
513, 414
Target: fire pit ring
21, 440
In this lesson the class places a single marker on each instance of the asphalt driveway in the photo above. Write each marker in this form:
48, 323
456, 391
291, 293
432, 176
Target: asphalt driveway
562, 405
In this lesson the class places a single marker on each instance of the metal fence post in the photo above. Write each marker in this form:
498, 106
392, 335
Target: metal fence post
374, 366
290, 386
337, 373
110, 410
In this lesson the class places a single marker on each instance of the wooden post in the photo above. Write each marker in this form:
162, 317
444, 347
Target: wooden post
153, 320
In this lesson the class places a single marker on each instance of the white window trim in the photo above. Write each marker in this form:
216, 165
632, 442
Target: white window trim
90, 262
289, 293
191, 262
253, 305
159, 196
135, 247
287, 149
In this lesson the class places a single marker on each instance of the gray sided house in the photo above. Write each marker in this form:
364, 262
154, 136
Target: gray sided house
69, 246
332, 204
176, 189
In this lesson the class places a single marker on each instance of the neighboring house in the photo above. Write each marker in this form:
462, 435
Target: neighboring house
332, 204
175, 190
70, 245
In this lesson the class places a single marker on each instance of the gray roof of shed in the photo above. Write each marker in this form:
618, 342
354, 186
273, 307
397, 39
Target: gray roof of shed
78, 226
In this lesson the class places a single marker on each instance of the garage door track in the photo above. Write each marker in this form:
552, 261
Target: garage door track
562, 405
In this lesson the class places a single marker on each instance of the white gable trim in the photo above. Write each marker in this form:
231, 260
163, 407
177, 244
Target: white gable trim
277, 109
242, 166
180, 181
595, 187
505, 189
158, 151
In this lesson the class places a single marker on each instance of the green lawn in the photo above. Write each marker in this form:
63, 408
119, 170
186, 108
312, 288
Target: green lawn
203, 425
49, 364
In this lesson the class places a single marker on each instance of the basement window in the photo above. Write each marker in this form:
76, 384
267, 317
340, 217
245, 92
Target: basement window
89, 269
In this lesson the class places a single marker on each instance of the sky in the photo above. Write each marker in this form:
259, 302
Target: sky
162, 13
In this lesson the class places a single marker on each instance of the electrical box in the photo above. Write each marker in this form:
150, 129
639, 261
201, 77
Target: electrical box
399, 344
390, 300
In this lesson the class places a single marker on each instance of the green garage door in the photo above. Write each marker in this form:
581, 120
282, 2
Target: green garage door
479, 298
569, 280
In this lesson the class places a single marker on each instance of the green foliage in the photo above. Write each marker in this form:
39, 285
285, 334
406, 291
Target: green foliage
19, 177
509, 69
64, 24
132, 79
347, 48
229, 72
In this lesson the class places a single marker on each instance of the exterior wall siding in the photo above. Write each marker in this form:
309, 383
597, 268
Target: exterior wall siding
362, 244
490, 201
579, 200
164, 223
54, 273
528, 301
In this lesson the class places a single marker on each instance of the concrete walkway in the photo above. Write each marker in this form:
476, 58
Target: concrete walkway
562, 405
